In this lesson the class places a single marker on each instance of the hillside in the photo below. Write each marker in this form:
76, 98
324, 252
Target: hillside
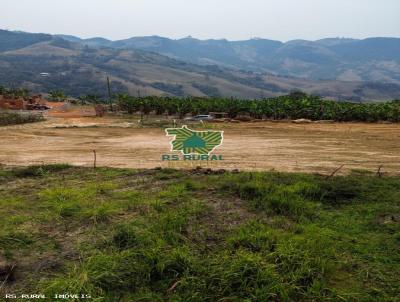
373, 59
81, 68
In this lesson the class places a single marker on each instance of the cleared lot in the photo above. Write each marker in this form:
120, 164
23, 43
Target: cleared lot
247, 146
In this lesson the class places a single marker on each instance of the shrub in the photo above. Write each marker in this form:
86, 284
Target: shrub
11, 118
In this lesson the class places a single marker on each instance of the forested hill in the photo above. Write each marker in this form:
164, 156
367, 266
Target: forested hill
373, 59
42, 63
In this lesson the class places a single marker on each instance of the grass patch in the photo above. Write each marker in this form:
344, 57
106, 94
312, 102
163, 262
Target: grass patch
166, 235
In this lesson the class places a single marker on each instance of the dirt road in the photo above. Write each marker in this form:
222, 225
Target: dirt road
247, 146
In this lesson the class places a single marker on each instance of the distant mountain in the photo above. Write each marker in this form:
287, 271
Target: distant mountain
10, 40
192, 67
373, 59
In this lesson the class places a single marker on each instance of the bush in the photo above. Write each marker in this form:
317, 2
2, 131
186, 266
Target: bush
12, 118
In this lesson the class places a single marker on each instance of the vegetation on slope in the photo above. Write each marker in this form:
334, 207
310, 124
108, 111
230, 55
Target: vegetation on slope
81, 69
167, 235
10, 40
13, 92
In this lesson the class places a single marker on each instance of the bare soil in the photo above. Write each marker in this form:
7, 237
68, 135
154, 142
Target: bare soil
282, 146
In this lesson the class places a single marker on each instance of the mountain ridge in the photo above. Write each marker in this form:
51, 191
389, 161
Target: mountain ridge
80, 68
374, 59
331, 58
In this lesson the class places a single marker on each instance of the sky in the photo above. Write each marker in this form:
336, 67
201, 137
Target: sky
205, 19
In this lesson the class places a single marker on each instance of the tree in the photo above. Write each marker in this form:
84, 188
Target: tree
57, 96
90, 99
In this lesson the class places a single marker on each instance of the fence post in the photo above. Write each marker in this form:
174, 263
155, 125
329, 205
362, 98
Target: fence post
94, 159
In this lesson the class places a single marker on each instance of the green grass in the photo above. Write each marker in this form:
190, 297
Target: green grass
167, 235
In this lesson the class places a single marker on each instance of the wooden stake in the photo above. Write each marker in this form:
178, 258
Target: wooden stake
94, 159
379, 173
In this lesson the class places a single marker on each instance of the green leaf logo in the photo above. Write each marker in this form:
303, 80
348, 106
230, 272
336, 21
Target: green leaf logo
194, 142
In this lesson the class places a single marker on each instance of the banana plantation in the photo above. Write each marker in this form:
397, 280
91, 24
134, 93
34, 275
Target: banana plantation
295, 106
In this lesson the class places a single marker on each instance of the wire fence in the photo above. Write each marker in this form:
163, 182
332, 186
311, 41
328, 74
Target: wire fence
241, 165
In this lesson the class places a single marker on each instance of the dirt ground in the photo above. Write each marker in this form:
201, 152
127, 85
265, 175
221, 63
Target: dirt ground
282, 146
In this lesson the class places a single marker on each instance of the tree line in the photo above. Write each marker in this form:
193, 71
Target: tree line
293, 106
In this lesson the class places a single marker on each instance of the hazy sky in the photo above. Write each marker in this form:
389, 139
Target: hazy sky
232, 19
